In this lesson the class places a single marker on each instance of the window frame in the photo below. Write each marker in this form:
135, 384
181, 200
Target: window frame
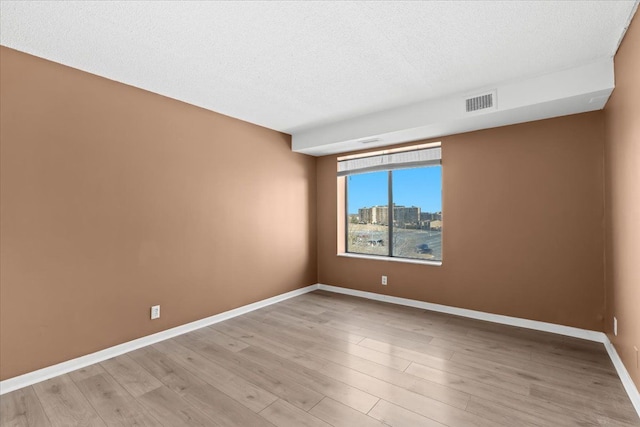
343, 249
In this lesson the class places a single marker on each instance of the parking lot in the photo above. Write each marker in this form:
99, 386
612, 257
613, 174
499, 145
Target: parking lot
374, 240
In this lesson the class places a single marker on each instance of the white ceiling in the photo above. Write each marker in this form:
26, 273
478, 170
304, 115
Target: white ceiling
299, 66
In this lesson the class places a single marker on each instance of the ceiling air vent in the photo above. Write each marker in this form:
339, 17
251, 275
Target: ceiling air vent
486, 101
368, 140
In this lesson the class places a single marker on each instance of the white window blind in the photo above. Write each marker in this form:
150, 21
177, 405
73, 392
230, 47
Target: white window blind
382, 162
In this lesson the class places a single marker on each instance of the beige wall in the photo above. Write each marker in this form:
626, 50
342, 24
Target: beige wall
622, 118
523, 214
114, 199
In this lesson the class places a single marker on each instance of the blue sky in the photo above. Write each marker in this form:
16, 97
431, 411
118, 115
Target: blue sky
411, 187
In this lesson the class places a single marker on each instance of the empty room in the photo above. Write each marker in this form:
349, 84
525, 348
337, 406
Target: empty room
320, 213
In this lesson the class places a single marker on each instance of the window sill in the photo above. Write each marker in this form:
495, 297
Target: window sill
392, 259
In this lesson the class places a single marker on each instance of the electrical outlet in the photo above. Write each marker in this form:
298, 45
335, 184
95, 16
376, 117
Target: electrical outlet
384, 280
155, 312
615, 326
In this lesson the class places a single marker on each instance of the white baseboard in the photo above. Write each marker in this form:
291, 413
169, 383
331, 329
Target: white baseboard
586, 334
627, 382
473, 314
43, 374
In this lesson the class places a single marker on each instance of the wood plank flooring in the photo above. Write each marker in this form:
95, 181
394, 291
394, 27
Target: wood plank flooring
324, 359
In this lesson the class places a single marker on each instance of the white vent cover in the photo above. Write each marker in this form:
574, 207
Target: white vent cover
482, 102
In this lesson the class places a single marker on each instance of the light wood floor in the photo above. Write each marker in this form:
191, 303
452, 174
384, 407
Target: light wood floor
324, 359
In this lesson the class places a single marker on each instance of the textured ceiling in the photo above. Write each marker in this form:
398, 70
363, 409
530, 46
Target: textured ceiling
291, 66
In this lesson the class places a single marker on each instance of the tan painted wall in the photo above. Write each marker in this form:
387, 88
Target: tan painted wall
622, 119
523, 233
114, 199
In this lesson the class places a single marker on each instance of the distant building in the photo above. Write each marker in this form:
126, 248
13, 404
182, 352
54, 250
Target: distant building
436, 225
374, 215
364, 215
380, 215
428, 216
403, 215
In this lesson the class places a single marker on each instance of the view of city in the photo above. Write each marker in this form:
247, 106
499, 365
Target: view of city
417, 225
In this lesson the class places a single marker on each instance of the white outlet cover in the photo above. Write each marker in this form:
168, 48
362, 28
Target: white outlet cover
615, 326
155, 312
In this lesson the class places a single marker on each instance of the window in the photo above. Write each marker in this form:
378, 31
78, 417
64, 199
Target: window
408, 180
